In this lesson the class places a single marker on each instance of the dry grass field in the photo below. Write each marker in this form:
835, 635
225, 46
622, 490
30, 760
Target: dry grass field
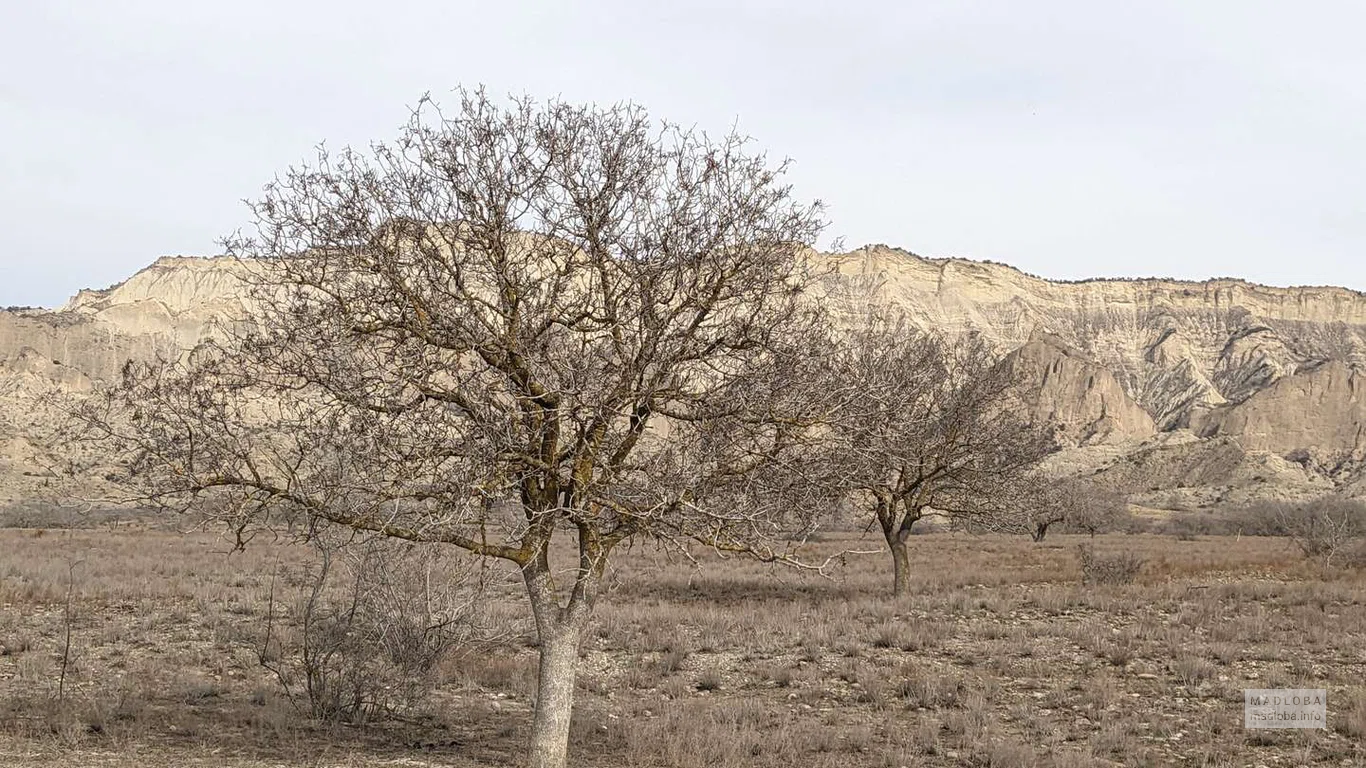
999, 657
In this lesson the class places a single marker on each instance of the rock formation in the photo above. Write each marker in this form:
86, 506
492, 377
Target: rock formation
1175, 347
1081, 397
1317, 413
1160, 384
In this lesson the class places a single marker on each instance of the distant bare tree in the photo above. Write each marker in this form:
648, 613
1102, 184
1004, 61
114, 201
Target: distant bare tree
1093, 508
520, 322
1324, 528
937, 428
1074, 502
1045, 504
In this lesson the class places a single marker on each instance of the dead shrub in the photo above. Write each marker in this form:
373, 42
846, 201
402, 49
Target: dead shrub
1350, 720
1120, 652
921, 688
1327, 528
887, 635
1101, 569
709, 680
15, 645
367, 627
1192, 670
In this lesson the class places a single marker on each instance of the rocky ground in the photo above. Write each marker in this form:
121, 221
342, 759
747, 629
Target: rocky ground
999, 657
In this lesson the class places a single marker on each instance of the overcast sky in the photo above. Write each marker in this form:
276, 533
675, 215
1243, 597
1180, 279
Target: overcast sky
1070, 139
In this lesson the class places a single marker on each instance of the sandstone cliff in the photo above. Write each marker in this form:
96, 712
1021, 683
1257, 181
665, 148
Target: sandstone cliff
167, 307
1176, 348
1316, 414
1082, 398
1254, 386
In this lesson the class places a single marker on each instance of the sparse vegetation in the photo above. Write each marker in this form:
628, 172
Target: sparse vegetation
1330, 529
538, 355
1108, 569
997, 651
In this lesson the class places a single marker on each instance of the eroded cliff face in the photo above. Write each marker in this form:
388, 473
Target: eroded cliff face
167, 307
1316, 414
1176, 348
175, 300
163, 309
1081, 397
1264, 382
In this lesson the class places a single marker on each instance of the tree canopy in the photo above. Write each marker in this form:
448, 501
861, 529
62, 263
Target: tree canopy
518, 320
937, 427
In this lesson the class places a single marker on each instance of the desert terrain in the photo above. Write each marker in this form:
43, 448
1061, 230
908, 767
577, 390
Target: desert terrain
999, 656
134, 639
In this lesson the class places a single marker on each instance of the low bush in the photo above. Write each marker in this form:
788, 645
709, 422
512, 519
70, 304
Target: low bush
1120, 568
34, 513
1330, 528
367, 627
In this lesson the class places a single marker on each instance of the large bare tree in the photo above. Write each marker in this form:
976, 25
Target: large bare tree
938, 428
521, 322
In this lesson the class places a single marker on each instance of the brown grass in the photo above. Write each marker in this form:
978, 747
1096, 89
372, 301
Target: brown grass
998, 657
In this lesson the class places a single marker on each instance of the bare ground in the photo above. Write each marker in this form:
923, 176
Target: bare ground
1000, 657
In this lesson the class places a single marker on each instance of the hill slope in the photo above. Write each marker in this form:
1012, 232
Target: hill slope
1260, 388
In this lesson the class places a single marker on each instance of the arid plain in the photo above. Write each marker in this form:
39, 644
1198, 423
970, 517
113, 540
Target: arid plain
999, 656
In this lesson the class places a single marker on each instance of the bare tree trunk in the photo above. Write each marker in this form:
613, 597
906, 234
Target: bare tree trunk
1040, 531
559, 630
555, 697
1041, 528
901, 563
896, 536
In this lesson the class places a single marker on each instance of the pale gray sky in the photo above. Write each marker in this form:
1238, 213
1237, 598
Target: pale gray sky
1071, 139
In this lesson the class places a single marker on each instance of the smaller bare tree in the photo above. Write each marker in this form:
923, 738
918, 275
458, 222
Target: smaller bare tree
1073, 502
1325, 528
1047, 504
1097, 510
938, 428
